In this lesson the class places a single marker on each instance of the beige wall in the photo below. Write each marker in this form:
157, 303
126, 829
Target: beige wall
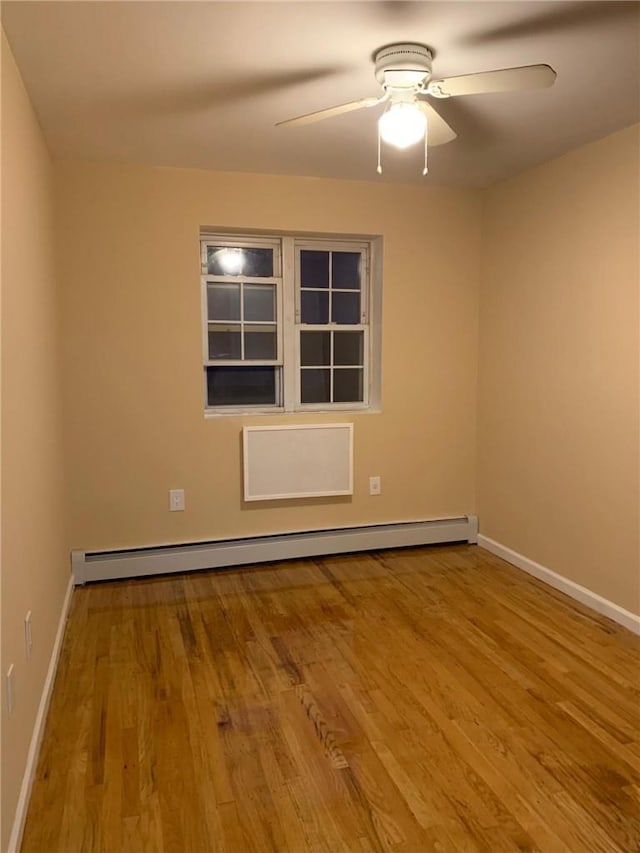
557, 433
128, 240
558, 393
35, 564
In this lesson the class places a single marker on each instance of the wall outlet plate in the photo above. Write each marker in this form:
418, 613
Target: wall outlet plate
176, 500
375, 485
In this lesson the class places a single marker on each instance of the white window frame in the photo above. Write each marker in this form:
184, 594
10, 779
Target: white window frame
329, 245
287, 249
276, 280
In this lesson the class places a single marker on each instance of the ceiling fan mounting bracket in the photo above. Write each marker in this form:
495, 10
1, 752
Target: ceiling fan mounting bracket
435, 89
404, 65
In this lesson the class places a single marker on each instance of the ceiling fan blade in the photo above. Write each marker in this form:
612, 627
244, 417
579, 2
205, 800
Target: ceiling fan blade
396, 11
438, 131
201, 96
504, 80
320, 115
555, 18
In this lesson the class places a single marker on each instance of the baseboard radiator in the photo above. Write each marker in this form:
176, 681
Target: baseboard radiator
88, 566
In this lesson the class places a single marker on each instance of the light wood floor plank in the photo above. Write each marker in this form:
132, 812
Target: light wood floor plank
427, 699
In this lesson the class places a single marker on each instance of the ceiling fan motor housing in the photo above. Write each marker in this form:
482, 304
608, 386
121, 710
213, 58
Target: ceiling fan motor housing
403, 66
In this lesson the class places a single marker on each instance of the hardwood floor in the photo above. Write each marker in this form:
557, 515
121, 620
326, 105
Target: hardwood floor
430, 699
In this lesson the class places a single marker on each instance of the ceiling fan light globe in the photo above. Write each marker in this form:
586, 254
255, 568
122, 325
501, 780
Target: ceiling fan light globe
402, 125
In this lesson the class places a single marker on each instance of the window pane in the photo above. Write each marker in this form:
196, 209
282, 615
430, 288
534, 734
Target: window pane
223, 301
226, 260
258, 262
315, 386
259, 302
345, 308
241, 386
315, 307
315, 348
348, 347
260, 342
224, 342
347, 386
314, 268
345, 270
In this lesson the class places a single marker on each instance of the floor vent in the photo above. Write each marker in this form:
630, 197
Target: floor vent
90, 566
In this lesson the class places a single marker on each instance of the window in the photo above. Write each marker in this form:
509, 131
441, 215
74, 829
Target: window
287, 324
242, 293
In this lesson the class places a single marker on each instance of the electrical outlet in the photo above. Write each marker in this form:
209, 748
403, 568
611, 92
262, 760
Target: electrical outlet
176, 500
9, 690
375, 485
28, 636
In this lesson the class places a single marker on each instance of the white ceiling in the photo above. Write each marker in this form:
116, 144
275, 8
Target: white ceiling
202, 84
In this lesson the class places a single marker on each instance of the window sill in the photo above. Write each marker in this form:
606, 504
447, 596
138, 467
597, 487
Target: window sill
241, 412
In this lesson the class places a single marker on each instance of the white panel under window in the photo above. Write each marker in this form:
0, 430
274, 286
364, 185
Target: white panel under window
297, 461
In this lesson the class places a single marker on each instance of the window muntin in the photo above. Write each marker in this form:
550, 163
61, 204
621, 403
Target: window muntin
332, 328
286, 324
241, 321
330, 284
332, 366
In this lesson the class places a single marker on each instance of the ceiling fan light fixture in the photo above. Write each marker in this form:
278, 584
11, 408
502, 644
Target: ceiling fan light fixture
402, 125
403, 71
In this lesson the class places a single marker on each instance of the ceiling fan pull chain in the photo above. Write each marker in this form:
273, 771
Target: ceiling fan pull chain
379, 169
426, 135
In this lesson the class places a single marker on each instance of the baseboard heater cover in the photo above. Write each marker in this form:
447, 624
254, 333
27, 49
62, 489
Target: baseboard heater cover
90, 566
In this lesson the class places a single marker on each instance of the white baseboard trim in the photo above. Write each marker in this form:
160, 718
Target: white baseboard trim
574, 590
15, 839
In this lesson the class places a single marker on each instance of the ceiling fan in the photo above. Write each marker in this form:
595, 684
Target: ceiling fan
404, 72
